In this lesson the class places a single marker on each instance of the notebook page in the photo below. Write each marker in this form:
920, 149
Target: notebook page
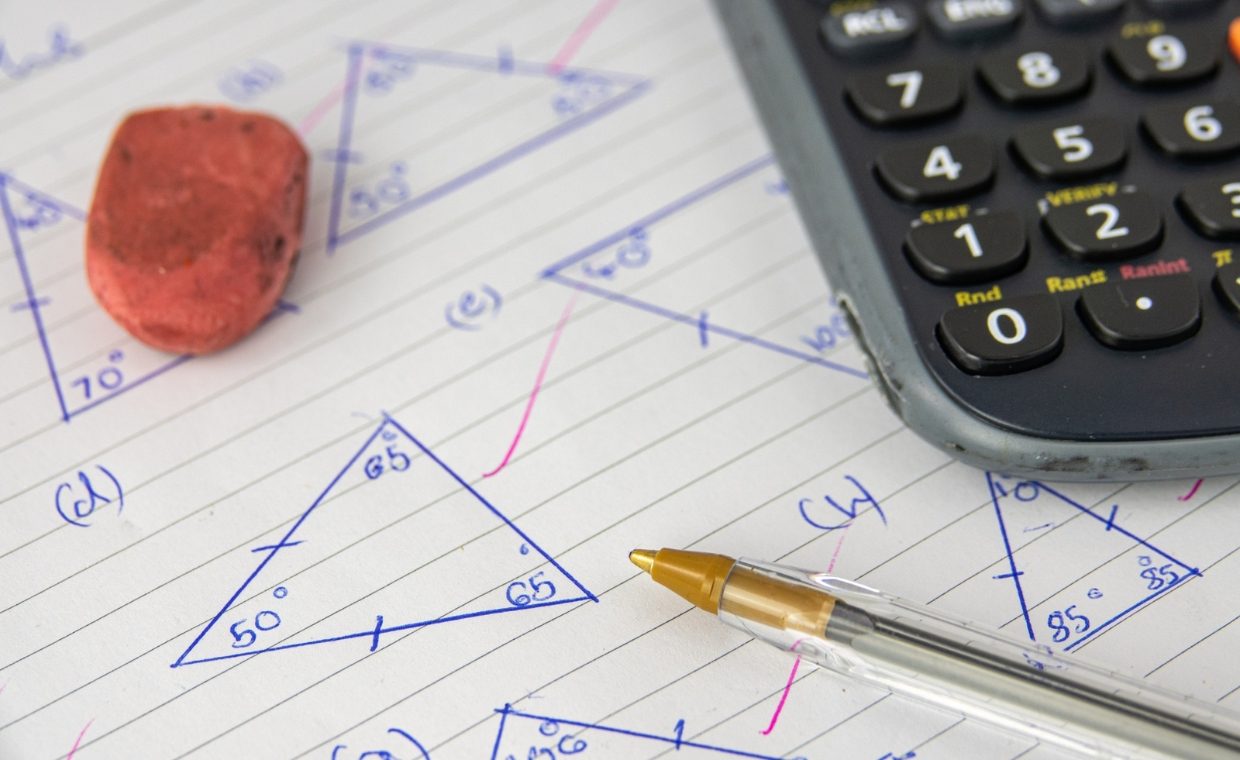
553, 303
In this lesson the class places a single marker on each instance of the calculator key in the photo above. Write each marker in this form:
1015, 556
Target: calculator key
1110, 228
981, 247
968, 20
1078, 12
906, 95
1197, 130
1139, 314
1069, 150
1036, 76
1212, 206
1007, 336
938, 169
1173, 57
878, 28
1174, 7
1227, 286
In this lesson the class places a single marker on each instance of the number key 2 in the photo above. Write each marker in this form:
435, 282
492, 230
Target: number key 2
1117, 227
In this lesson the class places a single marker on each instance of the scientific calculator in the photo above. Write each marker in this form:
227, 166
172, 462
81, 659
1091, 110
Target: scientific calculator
1030, 213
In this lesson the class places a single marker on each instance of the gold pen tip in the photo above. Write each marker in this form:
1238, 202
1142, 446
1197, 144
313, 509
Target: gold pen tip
643, 558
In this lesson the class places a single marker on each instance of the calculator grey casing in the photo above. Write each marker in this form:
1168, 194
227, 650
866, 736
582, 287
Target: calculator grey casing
809, 158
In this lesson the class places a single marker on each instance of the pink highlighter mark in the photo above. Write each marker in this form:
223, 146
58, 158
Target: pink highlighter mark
783, 698
581, 34
779, 708
78, 742
1191, 491
319, 111
538, 382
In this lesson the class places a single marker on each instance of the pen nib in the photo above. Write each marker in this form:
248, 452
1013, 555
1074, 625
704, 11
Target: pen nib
643, 558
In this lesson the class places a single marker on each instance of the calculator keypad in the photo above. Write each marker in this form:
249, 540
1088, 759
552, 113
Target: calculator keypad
970, 20
1071, 149
906, 96
1002, 338
1106, 229
938, 169
1037, 76
1227, 286
872, 29
1172, 57
1076, 13
1212, 206
984, 247
1076, 162
1208, 129
1142, 314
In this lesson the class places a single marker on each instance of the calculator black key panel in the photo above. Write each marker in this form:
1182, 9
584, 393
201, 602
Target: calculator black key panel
1091, 391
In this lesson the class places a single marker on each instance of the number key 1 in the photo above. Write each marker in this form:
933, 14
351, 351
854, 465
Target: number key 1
982, 247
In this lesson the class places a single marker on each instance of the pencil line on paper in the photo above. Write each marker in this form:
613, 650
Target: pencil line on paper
538, 382
581, 34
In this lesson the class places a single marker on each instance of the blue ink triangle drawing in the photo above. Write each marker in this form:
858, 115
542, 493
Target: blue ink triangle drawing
396, 541
403, 96
526, 735
82, 379
603, 268
1079, 539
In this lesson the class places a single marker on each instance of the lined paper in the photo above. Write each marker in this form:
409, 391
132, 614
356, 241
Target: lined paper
553, 303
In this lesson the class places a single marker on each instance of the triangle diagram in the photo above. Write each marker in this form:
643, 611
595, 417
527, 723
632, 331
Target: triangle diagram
46, 237
396, 541
89, 358
417, 125
1076, 570
661, 262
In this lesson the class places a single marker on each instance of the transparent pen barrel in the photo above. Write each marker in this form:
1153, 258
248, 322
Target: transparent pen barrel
1013, 684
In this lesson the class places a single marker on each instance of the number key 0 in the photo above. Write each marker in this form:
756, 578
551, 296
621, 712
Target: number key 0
1012, 335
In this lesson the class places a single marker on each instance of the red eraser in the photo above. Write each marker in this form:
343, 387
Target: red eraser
196, 224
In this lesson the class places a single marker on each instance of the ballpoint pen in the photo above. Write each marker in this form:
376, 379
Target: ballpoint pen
910, 649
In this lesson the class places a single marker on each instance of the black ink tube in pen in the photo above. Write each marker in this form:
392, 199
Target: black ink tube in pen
910, 649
